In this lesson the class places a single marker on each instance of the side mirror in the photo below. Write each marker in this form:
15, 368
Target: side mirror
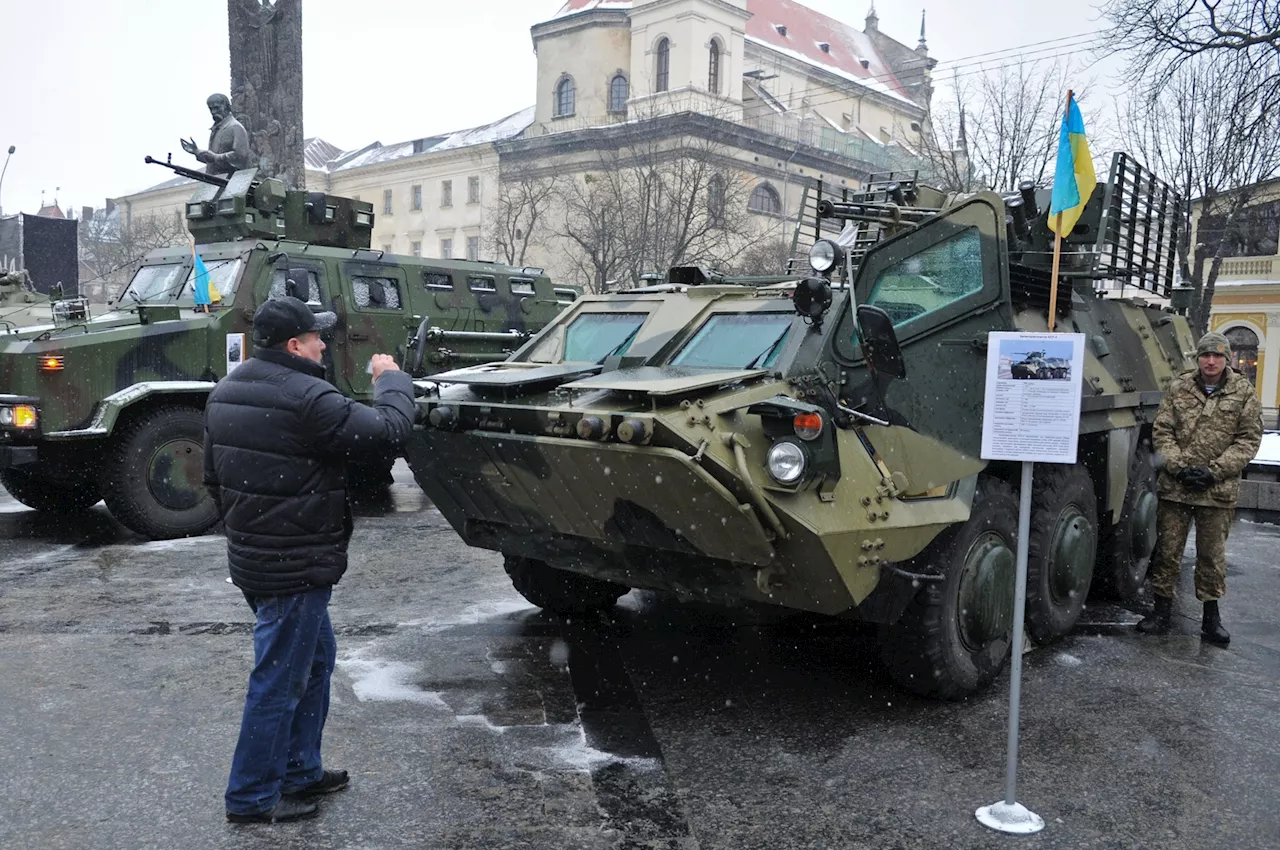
879, 342
418, 345
297, 284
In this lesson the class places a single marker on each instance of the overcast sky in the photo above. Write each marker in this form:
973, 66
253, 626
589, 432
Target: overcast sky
91, 86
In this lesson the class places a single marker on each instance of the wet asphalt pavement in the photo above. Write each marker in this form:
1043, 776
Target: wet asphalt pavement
469, 720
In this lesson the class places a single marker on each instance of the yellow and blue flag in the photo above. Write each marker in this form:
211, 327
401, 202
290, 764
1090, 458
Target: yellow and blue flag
1074, 179
203, 288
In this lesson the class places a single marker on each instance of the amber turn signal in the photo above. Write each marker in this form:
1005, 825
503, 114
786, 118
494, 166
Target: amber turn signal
25, 416
52, 363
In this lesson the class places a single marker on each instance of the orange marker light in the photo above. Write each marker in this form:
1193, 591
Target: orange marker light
52, 363
25, 416
808, 425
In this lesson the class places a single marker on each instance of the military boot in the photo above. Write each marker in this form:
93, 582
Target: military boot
1157, 622
1211, 627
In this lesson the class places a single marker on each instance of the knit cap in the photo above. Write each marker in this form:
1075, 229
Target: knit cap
1212, 343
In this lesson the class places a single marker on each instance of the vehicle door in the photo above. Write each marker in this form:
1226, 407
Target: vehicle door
946, 286
373, 318
318, 295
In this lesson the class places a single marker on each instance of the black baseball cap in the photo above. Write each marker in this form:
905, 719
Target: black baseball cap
281, 319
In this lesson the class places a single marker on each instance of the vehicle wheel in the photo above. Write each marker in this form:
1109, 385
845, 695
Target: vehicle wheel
560, 591
954, 637
153, 481
1125, 554
48, 494
1061, 549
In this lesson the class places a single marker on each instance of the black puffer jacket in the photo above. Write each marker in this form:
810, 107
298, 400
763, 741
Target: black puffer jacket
277, 438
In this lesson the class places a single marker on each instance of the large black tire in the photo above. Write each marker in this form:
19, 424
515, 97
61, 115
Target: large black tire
1124, 555
954, 637
1061, 549
560, 591
153, 481
48, 494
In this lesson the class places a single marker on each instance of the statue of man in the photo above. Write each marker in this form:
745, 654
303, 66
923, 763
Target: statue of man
228, 142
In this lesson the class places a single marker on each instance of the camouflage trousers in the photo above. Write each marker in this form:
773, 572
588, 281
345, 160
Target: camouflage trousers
1173, 522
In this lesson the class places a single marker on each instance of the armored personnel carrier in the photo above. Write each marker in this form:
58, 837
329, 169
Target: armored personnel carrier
20, 304
1034, 365
813, 442
110, 406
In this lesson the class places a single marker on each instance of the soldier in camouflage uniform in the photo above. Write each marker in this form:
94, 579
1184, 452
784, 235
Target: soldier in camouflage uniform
1207, 429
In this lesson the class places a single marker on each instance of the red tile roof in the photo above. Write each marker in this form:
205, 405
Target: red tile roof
806, 30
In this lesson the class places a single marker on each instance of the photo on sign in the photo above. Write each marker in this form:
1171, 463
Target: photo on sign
235, 351
1042, 361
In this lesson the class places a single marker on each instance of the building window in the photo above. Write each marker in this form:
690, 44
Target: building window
716, 201
415, 248
446, 193
386, 202
473, 190
416, 203
662, 79
619, 91
564, 97
446, 249
713, 73
473, 248
764, 199
1244, 352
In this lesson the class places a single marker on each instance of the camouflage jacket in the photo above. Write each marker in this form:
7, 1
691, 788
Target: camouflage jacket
1221, 431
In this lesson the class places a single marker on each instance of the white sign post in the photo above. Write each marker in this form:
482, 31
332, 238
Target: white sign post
1031, 414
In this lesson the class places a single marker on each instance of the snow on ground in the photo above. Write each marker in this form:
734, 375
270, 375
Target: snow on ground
376, 679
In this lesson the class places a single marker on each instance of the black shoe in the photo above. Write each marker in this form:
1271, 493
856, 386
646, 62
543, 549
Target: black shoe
286, 810
1211, 627
330, 781
1157, 622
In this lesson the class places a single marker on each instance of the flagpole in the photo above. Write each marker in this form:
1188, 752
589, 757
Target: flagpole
1057, 248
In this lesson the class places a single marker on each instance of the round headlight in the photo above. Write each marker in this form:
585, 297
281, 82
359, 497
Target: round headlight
786, 462
822, 256
6, 415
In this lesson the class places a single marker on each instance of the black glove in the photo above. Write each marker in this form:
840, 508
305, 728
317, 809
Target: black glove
1196, 477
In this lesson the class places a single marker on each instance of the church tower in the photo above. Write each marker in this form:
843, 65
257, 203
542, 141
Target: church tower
687, 55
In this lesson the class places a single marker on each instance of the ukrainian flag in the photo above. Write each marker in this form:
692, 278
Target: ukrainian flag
1074, 179
205, 291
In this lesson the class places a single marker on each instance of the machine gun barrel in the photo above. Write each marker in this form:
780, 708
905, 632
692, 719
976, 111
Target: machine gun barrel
188, 172
872, 211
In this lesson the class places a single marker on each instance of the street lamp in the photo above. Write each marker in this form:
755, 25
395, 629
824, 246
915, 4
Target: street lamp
12, 148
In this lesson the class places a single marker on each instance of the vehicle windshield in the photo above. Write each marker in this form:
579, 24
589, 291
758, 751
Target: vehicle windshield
167, 282
591, 338
737, 341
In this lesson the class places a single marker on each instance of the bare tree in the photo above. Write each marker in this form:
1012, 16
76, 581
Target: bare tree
115, 251
1210, 130
518, 217
655, 195
1162, 36
765, 257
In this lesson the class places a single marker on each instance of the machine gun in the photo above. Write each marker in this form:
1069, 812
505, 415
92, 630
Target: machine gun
188, 172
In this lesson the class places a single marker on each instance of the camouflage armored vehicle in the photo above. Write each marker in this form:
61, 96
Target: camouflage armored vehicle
20, 304
815, 443
1035, 366
110, 406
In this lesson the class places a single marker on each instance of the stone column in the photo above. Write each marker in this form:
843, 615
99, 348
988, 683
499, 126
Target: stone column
1270, 378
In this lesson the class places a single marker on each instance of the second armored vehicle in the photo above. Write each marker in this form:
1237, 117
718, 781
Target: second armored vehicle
111, 406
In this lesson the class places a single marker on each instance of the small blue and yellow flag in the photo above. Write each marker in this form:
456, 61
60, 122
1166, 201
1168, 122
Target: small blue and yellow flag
205, 291
1074, 179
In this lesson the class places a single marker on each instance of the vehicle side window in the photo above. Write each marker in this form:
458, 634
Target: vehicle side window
931, 279
437, 281
482, 284
375, 293
314, 294
521, 286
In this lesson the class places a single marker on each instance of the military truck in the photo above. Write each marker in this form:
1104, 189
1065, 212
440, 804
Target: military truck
814, 442
110, 406
20, 304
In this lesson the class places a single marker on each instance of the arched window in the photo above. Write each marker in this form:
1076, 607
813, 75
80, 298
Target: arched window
662, 80
713, 73
716, 200
764, 199
619, 91
1244, 352
565, 94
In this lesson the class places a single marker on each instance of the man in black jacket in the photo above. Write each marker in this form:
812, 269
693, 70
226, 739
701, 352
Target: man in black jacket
277, 441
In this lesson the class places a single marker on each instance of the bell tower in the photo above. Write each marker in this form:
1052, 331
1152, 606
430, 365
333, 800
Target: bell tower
687, 56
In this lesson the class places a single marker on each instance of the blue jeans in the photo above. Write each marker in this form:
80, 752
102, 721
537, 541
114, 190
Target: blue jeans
294, 651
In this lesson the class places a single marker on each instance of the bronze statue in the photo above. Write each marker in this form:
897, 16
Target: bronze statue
228, 142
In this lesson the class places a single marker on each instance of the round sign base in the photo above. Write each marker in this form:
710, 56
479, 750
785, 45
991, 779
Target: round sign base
1013, 818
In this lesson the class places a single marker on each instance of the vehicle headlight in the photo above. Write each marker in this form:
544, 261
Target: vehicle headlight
786, 462
823, 255
6, 416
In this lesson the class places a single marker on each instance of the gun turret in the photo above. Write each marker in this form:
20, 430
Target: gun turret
187, 172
